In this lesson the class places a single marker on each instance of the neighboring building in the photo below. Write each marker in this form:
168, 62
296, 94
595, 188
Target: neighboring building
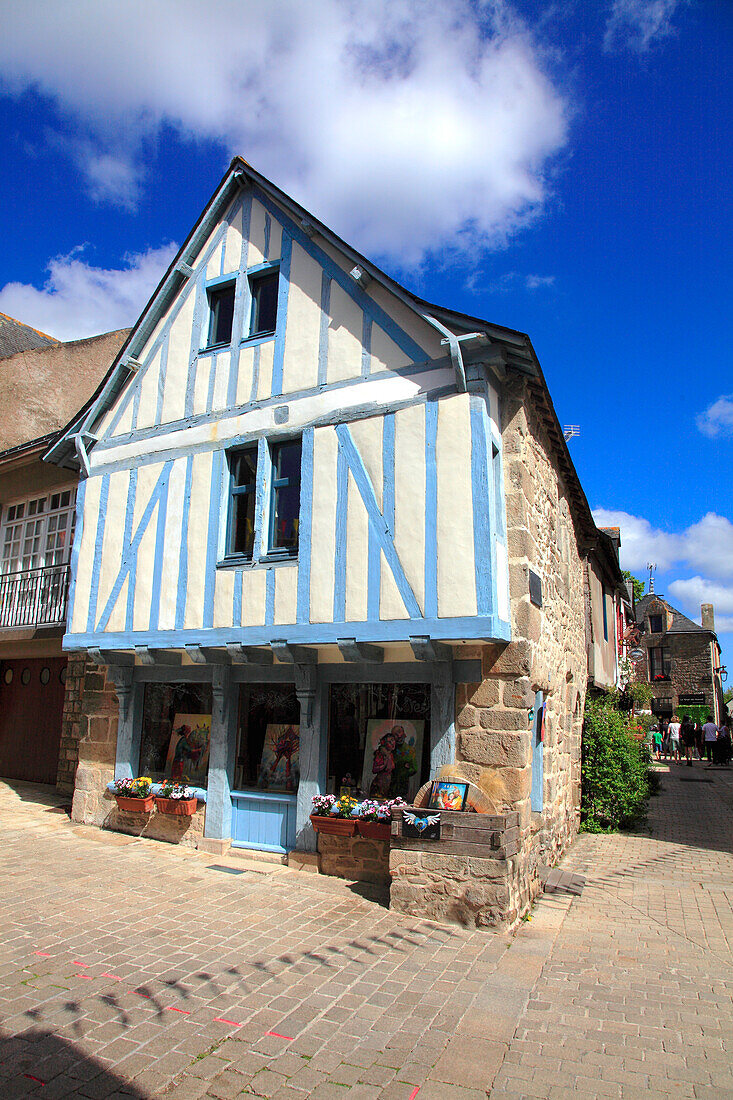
681, 659
313, 504
609, 611
39, 389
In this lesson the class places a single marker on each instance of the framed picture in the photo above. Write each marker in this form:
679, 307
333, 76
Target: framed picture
392, 757
447, 795
421, 825
188, 750
280, 763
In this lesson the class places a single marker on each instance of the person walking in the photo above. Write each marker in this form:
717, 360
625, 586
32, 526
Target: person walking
710, 733
723, 745
675, 727
687, 733
657, 741
664, 732
699, 739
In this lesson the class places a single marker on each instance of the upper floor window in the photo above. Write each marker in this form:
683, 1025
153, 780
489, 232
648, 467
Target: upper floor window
655, 624
264, 288
660, 663
285, 504
221, 314
264, 505
37, 532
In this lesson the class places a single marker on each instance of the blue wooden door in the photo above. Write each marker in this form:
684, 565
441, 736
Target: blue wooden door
263, 820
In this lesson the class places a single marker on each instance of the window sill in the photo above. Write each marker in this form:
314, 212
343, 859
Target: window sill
256, 338
260, 563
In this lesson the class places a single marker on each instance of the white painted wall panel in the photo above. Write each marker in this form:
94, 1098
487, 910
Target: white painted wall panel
385, 353
357, 543
391, 604
204, 367
148, 381
420, 331
177, 505
221, 382
456, 568
86, 554
256, 254
176, 377
367, 435
112, 548
197, 539
233, 244
323, 536
410, 496
286, 594
223, 597
253, 602
264, 388
303, 323
244, 376
344, 336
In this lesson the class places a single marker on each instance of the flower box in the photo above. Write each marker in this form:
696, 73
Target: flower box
375, 830
178, 807
135, 805
334, 826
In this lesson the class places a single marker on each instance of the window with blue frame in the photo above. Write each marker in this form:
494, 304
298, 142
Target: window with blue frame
285, 498
264, 290
264, 502
221, 314
243, 489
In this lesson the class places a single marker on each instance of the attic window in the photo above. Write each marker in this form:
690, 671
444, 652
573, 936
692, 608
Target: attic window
264, 303
655, 624
221, 314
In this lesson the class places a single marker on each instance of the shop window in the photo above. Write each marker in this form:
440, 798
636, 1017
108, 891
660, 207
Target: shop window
379, 739
268, 739
221, 314
264, 290
175, 734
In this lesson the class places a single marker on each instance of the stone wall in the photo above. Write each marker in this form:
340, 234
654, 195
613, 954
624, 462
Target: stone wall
548, 654
485, 884
71, 724
97, 744
354, 858
172, 828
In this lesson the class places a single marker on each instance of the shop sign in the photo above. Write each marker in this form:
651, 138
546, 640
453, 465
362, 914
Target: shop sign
637, 654
692, 699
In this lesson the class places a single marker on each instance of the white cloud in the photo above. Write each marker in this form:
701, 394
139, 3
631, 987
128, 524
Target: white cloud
407, 125
717, 418
697, 590
81, 300
638, 23
532, 282
640, 542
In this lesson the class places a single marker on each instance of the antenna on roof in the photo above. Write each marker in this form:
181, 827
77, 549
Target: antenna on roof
651, 566
571, 430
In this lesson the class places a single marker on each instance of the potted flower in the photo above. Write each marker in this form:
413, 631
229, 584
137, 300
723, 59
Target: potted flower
176, 798
134, 795
332, 816
375, 818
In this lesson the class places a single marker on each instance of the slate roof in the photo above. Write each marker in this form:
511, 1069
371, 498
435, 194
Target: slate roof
15, 337
680, 623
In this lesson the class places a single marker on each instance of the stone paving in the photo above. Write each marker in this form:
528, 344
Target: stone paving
132, 968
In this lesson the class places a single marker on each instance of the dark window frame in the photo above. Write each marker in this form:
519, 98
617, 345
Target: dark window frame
277, 484
257, 280
660, 663
652, 620
214, 294
264, 487
239, 490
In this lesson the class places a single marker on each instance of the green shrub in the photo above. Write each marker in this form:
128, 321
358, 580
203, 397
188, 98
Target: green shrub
615, 784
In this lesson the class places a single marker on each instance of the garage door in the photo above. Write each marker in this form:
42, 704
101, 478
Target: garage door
31, 705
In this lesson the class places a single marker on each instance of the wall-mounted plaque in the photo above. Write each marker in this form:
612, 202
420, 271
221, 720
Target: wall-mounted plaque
692, 699
421, 824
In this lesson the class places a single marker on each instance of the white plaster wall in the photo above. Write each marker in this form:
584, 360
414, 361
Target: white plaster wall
112, 549
177, 505
86, 535
323, 536
344, 336
179, 346
357, 544
197, 539
286, 594
367, 435
456, 566
410, 498
300, 363
255, 595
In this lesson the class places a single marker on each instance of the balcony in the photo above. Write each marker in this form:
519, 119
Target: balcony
34, 597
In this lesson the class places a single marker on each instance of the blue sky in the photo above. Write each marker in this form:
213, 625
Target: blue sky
563, 168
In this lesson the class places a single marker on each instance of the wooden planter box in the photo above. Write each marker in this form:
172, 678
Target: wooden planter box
179, 807
375, 830
135, 805
334, 826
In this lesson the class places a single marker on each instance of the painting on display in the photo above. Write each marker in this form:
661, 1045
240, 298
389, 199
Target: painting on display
392, 757
188, 751
446, 795
280, 764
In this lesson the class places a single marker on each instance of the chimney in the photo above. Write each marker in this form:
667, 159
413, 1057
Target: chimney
707, 615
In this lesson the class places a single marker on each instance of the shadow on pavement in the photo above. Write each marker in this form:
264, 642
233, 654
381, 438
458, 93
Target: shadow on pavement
41, 1063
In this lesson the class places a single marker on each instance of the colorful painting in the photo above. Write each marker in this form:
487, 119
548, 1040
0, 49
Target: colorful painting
392, 758
446, 795
280, 764
188, 751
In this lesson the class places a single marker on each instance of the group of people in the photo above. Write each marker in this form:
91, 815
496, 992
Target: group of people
711, 742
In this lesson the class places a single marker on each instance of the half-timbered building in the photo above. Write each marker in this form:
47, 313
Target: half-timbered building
312, 503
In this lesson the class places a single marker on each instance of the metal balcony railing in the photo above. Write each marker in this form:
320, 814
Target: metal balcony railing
34, 597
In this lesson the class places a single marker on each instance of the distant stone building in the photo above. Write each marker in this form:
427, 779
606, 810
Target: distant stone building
681, 659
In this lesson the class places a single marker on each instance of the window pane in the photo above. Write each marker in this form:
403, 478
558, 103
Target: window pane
264, 303
221, 304
174, 741
243, 528
285, 496
244, 467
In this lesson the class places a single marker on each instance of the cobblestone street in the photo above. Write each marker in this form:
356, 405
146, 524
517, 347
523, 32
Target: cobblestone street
131, 968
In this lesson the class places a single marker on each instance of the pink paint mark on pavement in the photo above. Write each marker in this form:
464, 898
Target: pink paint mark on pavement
86, 977
279, 1036
139, 994
414, 1092
32, 1078
77, 963
113, 976
223, 1020
43, 954
170, 1008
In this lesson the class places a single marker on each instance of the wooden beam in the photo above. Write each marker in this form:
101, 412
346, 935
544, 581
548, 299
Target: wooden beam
110, 657
425, 649
248, 655
351, 650
294, 654
157, 656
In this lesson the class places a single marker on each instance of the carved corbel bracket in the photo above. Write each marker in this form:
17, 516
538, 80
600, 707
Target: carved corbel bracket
306, 682
121, 676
